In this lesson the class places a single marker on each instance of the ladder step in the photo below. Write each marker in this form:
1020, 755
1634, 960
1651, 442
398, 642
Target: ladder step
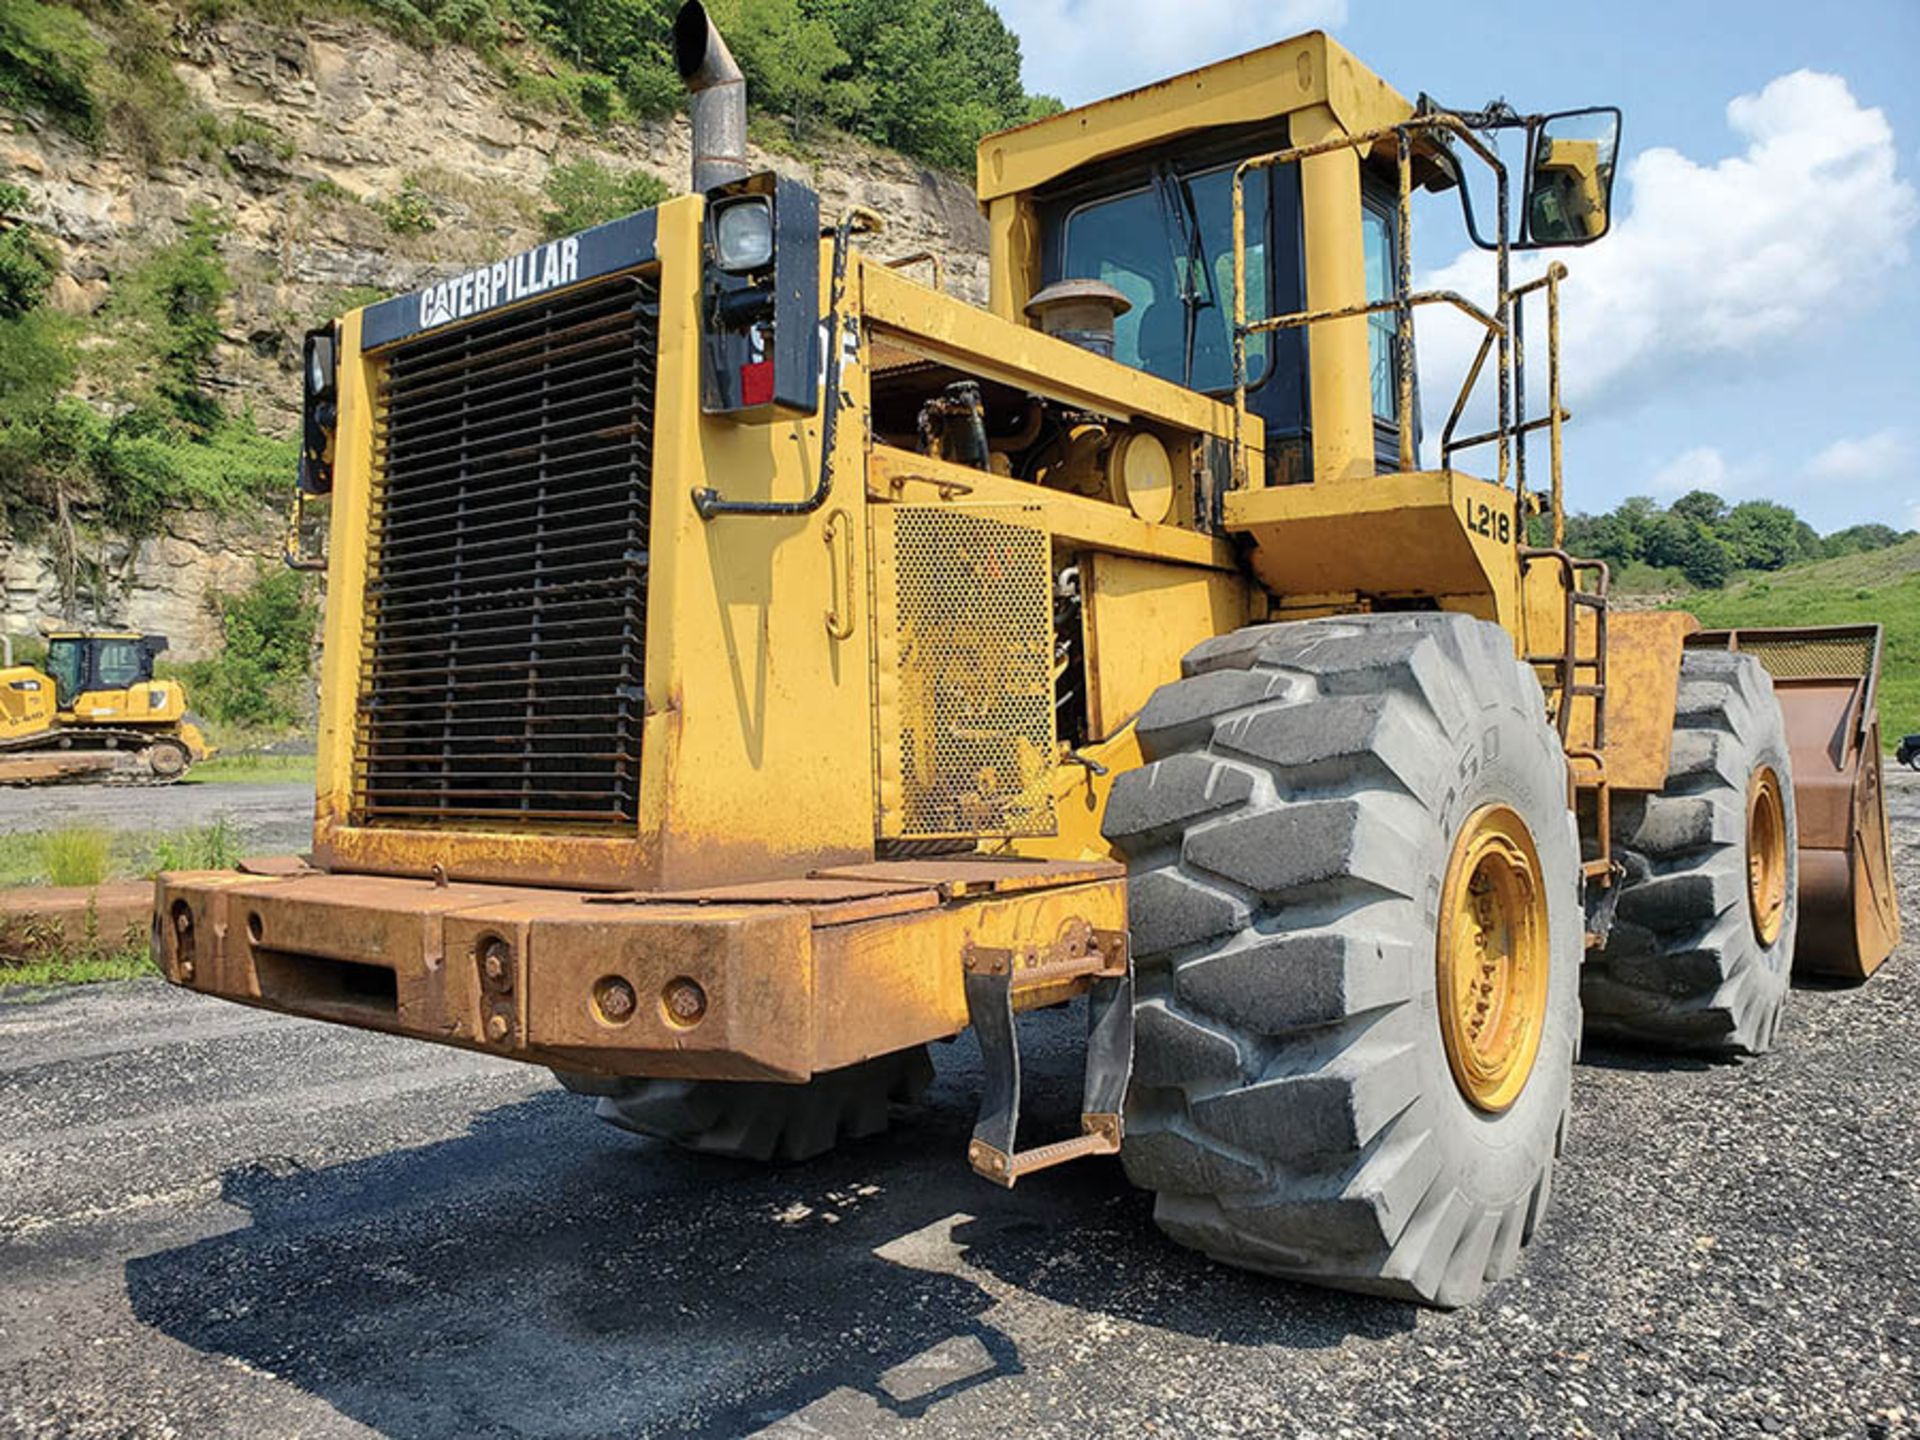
1101, 1137
992, 977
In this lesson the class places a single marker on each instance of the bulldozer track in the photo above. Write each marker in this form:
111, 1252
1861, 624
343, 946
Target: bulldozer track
129, 746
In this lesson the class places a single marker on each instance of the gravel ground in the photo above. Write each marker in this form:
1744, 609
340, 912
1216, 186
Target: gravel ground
271, 819
220, 1223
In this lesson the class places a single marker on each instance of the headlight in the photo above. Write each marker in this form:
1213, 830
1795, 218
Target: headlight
743, 234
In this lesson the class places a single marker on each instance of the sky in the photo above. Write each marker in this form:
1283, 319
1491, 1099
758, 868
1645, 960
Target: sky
1751, 325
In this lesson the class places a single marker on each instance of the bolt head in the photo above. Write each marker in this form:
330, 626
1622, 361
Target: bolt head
496, 1027
613, 997
685, 1001
186, 970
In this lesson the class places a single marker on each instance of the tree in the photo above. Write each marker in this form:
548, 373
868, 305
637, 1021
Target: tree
1702, 507
1764, 536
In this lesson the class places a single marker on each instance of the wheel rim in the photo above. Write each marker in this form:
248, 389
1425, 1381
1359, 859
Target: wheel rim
1493, 958
1766, 855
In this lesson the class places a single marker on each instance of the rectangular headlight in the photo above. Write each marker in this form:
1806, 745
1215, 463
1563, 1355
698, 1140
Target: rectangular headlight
743, 234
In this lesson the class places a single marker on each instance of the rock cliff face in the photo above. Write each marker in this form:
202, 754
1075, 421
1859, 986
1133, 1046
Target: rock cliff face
327, 123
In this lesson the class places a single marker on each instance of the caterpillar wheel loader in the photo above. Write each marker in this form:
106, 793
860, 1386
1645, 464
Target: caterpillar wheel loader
94, 713
747, 666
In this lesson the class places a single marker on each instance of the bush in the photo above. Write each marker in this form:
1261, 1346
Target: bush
409, 211
584, 193
260, 676
165, 323
48, 57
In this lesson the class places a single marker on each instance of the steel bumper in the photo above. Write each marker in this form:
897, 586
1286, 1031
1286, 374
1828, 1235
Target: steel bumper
766, 981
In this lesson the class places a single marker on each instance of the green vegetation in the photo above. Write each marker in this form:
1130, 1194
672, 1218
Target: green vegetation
1702, 541
89, 855
76, 855
927, 77
1873, 587
50, 59
214, 846
408, 211
88, 966
585, 193
259, 678
169, 443
243, 766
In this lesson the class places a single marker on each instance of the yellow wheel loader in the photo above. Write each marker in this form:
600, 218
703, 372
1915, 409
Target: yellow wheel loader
94, 713
746, 666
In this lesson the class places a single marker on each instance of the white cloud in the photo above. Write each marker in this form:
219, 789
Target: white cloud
1882, 456
1084, 50
1716, 265
1701, 468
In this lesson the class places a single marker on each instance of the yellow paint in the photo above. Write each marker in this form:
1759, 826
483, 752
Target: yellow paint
1140, 617
26, 702
902, 475
941, 328
1643, 686
1767, 866
1340, 388
1493, 958
1397, 535
1310, 69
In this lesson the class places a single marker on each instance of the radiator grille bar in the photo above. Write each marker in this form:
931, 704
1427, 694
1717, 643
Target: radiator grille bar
502, 675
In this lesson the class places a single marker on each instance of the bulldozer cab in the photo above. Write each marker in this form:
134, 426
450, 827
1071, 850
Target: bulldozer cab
79, 664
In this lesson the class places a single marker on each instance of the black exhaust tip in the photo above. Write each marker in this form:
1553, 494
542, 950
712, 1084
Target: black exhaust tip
692, 32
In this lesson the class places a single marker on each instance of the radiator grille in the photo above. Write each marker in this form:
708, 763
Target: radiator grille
505, 626
965, 671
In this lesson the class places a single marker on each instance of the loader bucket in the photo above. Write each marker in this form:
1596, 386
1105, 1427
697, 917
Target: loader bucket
1828, 681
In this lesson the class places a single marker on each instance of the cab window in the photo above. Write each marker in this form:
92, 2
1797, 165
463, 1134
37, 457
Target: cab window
66, 665
1382, 327
120, 663
1168, 247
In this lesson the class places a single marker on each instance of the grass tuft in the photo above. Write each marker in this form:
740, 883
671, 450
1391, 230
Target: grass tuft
76, 855
214, 846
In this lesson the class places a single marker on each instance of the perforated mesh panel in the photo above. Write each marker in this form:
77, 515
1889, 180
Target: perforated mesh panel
964, 652
1811, 657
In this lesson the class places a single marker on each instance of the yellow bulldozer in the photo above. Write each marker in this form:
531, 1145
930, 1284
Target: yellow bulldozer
95, 712
746, 666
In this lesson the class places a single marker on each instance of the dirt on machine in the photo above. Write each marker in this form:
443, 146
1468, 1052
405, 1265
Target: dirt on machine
94, 712
747, 665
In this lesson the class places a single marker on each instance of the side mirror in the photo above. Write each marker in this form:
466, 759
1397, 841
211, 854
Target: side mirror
1570, 170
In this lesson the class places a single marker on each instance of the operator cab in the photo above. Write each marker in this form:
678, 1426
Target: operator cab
1136, 192
1158, 227
78, 664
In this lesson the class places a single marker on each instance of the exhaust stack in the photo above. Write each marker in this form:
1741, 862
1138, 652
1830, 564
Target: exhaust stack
719, 91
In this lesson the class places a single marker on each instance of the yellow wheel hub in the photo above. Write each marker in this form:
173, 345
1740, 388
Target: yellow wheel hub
1766, 856
1494, 950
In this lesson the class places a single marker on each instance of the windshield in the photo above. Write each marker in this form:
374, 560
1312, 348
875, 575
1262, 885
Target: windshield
66, 667
1169, 249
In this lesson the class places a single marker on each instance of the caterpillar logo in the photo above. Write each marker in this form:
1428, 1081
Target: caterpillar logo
532, 272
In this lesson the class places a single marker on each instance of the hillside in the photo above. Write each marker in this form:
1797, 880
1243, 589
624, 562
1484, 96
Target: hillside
246, 172
1880, 587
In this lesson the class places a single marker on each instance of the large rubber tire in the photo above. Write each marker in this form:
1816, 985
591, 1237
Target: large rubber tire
1293, 1106
763, 1120
1684, 967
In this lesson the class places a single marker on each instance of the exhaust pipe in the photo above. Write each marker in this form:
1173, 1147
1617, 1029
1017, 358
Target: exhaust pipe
719, 91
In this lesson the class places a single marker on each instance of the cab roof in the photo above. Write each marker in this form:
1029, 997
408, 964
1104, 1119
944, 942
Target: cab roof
1308, 70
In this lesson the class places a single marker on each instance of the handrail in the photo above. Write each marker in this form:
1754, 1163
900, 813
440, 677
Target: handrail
1500, 328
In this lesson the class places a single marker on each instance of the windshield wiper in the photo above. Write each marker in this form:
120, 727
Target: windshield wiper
1189, 254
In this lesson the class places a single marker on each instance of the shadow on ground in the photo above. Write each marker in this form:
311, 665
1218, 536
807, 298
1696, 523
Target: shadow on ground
542, 1274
